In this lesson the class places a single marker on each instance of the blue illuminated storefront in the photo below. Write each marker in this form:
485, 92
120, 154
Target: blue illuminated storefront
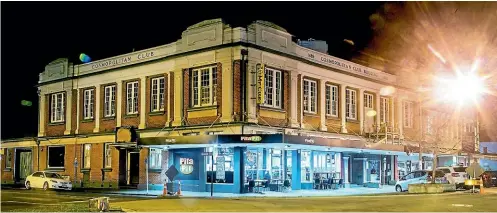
282, 161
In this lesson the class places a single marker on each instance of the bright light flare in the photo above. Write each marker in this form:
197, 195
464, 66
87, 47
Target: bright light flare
463, 89
436, 53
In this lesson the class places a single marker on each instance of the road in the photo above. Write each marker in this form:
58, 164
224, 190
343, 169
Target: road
23, 200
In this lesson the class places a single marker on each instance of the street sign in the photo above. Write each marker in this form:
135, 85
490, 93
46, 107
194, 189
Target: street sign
206, 153
220, 170
475, 170
171, 172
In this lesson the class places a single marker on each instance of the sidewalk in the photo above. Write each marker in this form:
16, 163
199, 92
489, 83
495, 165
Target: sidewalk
296, 193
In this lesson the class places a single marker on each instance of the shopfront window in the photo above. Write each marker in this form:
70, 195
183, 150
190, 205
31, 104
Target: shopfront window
222, 169
254, 164
275, 164
374, 171
327, 164
155, 161
289, 165
306, 172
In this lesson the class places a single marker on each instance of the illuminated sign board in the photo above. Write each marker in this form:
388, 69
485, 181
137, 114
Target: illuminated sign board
251, 138
260, 83
186, 165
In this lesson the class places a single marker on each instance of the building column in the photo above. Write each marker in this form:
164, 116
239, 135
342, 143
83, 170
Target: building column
97, 109
168, 99
143, 103
68, 112
362, 116
296, 170
227, 92
364, 170
322, 105
345, 161
377, 103
119, 102
343, 111
400, 117
392, 121
41, 114
178, 97
293, 100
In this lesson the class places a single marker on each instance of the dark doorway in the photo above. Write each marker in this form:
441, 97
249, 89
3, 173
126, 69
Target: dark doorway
358, 172
123, 156
23, 165
134, 168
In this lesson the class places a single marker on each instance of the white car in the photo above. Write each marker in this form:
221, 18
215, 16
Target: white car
47, 180
418, 177
455, 175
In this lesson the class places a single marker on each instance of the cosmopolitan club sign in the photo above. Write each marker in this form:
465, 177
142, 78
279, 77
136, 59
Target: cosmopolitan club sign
343, 65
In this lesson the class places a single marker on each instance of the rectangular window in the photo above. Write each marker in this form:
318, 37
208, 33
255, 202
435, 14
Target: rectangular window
384, 110
86, 155
57, 107
157, 92
107, 155
408, 114
56, 156
331, 100
368, 100
8, 158
310, 96
350, 102
306, 171
220, 154
132, 97
155, 158
204, 84
88, 101
110, 101
272, 88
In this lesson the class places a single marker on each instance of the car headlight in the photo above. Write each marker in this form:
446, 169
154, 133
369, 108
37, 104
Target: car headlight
53, 181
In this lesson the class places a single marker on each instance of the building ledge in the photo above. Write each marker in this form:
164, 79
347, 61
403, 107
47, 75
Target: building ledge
109, 118
56, 124
7, 170
55, 169
106, 169
156, 113
193, 109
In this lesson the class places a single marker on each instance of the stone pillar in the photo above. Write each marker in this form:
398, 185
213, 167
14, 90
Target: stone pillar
293, 100
392, 107
119, 102
343, 111
400, 116
41, 114
364, 170
178, 97
251, 87
68, 112
377, 103
361, 116
345, 161
97, 109
78, 110
143, 97
168, 99
322, 105
227, 92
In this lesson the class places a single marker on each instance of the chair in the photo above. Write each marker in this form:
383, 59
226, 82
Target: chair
340, 183
251, 186
317, 183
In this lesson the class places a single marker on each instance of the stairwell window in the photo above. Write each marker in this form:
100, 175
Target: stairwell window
204, 84
132, 98
384, 110
88, 101
157, 93
310, 95
57, 107
350, 104
408, 114
110, 101
368, 100
331, 100
155, 158
272, 88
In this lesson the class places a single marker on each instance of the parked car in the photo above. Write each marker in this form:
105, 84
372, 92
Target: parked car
418, 177
455, 175
47, 180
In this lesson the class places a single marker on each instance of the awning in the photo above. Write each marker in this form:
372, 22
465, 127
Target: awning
172, 140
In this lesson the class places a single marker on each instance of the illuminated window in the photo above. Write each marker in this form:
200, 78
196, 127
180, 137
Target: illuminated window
350, 104
132, 97
272, 88
57, 107
86, 155
107, 155
204, 84
310, 96
368, 100
155, 159
384, 110
157, 93
110, 101
88, 101
331, 100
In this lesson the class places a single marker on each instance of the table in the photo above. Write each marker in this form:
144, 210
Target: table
258, 185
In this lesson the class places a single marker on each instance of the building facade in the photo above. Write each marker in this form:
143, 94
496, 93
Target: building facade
259, 103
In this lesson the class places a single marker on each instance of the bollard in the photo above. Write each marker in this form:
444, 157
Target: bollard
179, 188
164, 192
481, 186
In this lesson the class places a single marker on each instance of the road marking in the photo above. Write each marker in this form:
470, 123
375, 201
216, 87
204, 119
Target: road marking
462, 205
12, 201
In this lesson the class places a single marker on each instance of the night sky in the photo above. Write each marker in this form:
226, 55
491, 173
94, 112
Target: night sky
36, 33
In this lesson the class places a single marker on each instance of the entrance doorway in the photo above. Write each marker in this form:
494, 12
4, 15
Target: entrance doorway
134, 168
23, 164
129, 168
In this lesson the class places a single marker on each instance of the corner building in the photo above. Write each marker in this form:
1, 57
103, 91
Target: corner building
251, 96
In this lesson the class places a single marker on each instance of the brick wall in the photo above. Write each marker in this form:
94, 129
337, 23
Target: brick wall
69, 160
7, 175
237, 92
155, 119
299, 98
154, 177
113, 175
186, 91
134, 119
96, 161
107, 124
54, 129
74, 111
86, 126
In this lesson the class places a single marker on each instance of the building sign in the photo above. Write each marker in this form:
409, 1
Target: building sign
260, 83
125, 135
309, 140
220, 170
195, 139
186, 165
344, 65
250, 138
122, 60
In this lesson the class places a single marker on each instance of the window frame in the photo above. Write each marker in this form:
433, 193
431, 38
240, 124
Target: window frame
86, 156
368, 100
408, 108
8, 159
157, 152
48, 158
384, 110
276, 88
350, 104
157, 101
88, 103
55, 105
311, 95
133, 97
107, 155
332, 99
212, 86
110, 103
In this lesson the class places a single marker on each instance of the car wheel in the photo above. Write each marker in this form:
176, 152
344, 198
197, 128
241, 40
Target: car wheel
45, 186
398, 188
28, 185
